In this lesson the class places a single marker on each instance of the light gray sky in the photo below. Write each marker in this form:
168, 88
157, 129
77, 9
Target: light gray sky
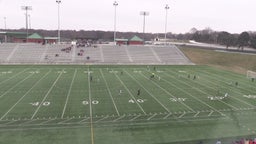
233, 16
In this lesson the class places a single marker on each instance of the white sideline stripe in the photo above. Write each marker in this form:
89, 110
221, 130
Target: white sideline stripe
10, 122
167, 116
101, 119
149, 92
135, 117
119, 118
152, 116
110, 93
13, 76
24, 95
28, 122
69, 91
168, 92
197, 98
46, 96
130, 94
15, 85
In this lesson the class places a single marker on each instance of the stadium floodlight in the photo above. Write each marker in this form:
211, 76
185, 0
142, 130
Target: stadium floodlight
115, 4
58, 2
166, 8
144, 14
29, 21
26, 8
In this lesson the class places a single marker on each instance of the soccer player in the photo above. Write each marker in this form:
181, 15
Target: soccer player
90, 78
236, 83
138, 92
194, 77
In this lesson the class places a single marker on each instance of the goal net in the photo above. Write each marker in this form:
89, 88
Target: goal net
251, 74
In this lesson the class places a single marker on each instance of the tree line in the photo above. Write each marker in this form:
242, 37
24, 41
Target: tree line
207, 35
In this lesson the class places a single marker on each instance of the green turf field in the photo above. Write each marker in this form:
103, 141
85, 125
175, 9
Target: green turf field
123, 104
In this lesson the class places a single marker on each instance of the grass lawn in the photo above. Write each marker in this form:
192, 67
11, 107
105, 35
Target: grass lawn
124, 104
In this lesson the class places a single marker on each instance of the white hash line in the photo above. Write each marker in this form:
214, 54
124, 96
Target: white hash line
101, 119
168, 93
197, 114
130, 94
63, 122
23, 96
135, 117
210, 113
110, 93
46, 96
152, 116
167, 116
119, 118
182, 115
69, 91
199, 99
13, 76
15, 85
149, 92
82, 121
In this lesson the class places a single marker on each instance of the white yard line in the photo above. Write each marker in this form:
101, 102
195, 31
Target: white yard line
210, 113
28, 122
148, 92
42, 123
15, 85
24, 95
110, 94
90, 103
69, 91
82, 121
156, 84
130, 94
46, 96
63, 122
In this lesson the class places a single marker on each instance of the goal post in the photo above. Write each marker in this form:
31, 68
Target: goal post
251, 74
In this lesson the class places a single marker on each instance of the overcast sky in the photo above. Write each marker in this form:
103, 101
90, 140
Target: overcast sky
233, 16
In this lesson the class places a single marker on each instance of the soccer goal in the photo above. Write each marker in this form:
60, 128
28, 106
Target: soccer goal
251, 74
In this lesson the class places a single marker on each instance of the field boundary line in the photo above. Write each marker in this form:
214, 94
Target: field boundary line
46, 96
69, 91
13, 76
149, 92
24, 95
167, 92
199, 99
130, 94
110, 94
16, 85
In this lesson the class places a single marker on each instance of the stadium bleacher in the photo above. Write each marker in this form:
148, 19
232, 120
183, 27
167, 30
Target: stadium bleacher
103, 54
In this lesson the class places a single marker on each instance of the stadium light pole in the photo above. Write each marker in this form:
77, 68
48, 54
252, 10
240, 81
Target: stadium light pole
115, 4
58, 2
166, 8
144, 14
26, 8
29, 21
5, 37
